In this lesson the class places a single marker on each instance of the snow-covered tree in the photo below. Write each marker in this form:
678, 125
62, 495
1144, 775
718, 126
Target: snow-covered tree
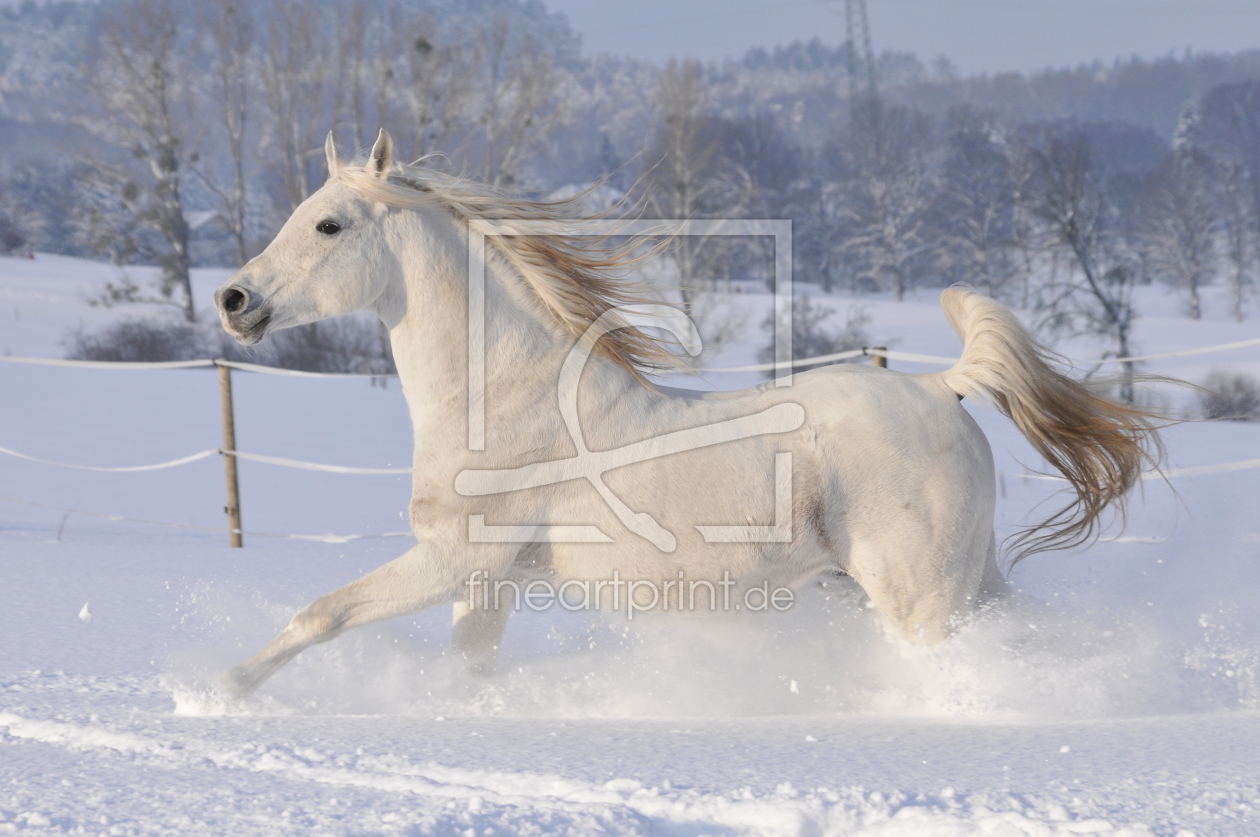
1067, 196
690, 177
300, 93
1228, 126
140, 74
231, 30
974, 214
1239, 227
880, 200
1176, 223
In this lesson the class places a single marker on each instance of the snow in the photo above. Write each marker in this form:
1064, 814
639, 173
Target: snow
1117, 693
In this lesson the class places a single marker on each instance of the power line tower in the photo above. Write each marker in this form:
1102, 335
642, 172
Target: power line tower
861, 57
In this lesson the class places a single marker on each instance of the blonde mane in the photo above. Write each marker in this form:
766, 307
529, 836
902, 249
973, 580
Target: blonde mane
576, 278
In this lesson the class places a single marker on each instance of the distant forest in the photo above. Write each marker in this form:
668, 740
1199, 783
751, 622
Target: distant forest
179, 134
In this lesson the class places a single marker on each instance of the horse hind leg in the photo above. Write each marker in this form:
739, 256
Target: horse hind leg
993, 584
921, 587
476, 633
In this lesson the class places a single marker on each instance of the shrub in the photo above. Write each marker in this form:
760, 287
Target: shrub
811, 339
11, 237
344, 345
1230, 395
135, 340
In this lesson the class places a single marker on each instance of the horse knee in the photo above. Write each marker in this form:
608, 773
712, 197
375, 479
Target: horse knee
314, 623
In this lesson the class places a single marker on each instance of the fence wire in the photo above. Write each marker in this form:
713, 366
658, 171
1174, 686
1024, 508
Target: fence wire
913, 357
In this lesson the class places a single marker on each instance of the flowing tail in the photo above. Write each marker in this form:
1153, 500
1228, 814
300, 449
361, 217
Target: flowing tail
1100, 446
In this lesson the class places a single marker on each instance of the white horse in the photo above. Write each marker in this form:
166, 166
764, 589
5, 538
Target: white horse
589, 475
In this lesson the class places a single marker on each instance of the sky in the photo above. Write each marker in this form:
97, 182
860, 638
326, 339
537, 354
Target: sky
977, 35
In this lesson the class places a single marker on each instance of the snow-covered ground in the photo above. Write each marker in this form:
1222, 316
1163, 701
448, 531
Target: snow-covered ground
1118, 693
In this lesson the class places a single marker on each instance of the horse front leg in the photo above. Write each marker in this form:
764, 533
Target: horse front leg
420, 579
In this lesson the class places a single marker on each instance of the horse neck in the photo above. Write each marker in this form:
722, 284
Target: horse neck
427, 314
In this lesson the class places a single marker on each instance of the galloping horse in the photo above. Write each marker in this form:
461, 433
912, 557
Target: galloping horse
585, 471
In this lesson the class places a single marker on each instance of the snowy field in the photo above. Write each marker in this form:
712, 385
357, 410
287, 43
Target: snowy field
1118, 692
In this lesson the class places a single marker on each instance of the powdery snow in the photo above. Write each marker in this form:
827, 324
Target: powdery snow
1117, 693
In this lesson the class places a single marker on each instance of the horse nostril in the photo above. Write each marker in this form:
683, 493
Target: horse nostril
233, 300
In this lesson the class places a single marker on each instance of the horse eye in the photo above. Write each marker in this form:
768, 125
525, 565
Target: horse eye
328, 227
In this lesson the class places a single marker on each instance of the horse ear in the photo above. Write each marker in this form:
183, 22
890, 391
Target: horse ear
382, 156
330, 152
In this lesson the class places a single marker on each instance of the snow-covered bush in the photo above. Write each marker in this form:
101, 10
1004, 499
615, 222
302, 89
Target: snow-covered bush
11, 237
1230, 395
138, 339
345, 344
812, 338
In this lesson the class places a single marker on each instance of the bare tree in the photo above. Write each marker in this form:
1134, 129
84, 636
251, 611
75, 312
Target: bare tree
488, 99
15, 223
974, 212
772, 173
691, 178
438, 83
300, 94
1228, 127
140, 76
1176, 223
230, 27
1026, 234
881, 200
521, 107
359, 45
1067, 196
1242, 242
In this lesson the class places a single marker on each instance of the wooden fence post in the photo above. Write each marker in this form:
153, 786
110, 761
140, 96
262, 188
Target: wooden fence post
880, 360
233, 507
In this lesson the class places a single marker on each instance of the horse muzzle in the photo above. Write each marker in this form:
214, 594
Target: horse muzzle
242, 313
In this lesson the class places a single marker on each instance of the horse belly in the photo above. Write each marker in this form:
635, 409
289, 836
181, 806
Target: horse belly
720, 506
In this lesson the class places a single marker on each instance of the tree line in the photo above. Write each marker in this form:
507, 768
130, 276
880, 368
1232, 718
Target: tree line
202, 125
214, 113
1063, 218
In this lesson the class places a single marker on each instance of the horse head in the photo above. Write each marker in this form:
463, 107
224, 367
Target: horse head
324, 262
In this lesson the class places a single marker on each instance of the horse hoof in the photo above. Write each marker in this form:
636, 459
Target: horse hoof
238, 683
480, 668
